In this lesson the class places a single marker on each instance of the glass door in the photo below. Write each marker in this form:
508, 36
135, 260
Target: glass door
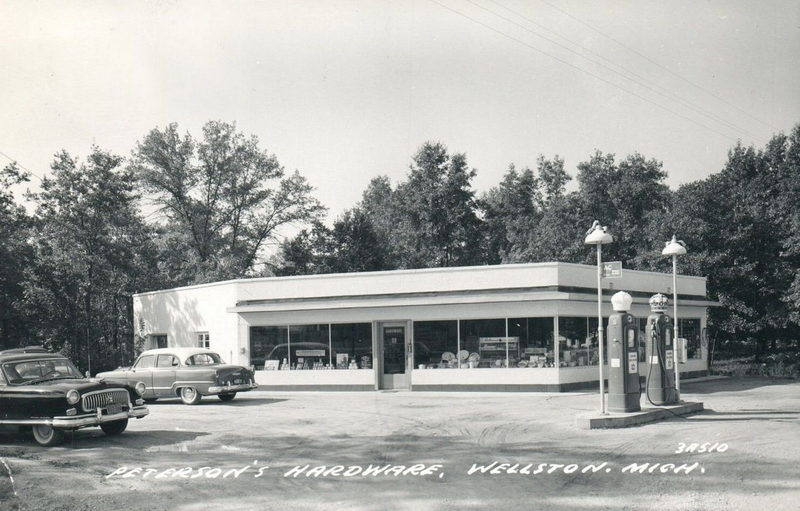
395, 347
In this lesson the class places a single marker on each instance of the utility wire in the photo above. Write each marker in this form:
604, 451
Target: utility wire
633, 93
668, 70
640, 80
13, 160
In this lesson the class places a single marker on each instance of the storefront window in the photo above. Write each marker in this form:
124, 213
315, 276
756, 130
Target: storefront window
352, 346
690, 330
264, 343
577, 342
535, 341
432, 339
485, 342
309, 345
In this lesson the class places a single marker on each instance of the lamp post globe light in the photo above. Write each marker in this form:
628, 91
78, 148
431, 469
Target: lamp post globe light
598, 235
675, 248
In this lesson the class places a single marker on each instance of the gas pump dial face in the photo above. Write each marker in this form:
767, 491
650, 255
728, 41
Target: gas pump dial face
631, 338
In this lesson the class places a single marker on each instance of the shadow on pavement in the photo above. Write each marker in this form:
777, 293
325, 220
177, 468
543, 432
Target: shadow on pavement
92, 438
733, 384
746, 415
213, 401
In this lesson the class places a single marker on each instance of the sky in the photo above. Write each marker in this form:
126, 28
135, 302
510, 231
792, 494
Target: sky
344, 91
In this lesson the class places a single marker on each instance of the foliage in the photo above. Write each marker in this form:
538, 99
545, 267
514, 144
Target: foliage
67, 272
15, 256
350, 246
91, 251
225, 199
437, 223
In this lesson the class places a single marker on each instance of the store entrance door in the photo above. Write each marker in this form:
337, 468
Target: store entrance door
395, 347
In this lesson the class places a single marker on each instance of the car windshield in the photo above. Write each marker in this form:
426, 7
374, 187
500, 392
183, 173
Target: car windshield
21, 372
204, 359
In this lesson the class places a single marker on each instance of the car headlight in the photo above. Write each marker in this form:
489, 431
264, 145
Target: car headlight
140, 388
73, 396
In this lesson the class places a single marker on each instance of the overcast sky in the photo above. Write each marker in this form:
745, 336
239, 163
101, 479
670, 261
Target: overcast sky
347, 90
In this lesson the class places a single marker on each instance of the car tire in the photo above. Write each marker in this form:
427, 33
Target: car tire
227, 397
190, 395
47, 436
115, 427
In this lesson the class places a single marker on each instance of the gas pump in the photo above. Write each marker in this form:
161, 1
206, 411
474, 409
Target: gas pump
660, 354
624, 390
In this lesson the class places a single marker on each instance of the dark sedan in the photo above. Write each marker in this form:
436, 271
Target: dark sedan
45, 392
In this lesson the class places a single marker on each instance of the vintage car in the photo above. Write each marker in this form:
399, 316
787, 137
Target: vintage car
43, 391
187, 373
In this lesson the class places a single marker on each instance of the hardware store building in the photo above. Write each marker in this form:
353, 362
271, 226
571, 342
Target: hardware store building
520, 327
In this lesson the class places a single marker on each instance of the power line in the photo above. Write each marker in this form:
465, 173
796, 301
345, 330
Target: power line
13, 160
643, 81
633, 93
668, 70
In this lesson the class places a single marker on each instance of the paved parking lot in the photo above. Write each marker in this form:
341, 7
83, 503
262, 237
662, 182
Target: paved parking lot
401, 450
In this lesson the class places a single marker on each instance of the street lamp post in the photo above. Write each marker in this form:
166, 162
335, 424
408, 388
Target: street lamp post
674, 248
598, 235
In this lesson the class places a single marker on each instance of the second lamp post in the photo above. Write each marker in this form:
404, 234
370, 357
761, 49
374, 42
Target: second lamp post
598, 235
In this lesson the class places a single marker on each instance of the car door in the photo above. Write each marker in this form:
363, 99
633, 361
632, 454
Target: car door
164, 374
142, 370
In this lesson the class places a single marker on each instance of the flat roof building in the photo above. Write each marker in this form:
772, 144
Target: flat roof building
516, 327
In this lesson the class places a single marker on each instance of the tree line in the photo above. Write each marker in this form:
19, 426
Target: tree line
186, 210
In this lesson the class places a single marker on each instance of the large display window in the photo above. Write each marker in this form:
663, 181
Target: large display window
308, 347
434, 343
577, 341
311, 347
264, 340
351, 345
484, 343
536, 341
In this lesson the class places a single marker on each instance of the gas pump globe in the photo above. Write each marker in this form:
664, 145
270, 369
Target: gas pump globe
660, 354
623, 354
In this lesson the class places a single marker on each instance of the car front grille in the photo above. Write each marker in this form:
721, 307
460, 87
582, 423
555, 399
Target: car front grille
103, 398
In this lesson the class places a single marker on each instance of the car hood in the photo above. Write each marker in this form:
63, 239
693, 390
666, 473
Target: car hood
82, 385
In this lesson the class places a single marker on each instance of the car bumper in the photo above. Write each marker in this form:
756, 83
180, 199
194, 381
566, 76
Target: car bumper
227, 389
95, 419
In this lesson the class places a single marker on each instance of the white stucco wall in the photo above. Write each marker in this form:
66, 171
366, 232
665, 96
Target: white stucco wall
182, 313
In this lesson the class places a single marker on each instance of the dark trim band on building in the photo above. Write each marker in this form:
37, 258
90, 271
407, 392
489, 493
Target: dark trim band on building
466, 292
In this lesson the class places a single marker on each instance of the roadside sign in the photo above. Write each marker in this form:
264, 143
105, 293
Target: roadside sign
612, 270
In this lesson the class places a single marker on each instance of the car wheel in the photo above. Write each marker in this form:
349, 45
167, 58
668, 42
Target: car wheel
227, 397
47, 436
115, 427
190, 396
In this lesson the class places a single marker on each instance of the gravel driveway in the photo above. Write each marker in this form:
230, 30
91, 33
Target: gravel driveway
420, 451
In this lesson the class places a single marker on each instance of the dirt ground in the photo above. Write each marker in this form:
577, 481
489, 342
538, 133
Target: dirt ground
240, 455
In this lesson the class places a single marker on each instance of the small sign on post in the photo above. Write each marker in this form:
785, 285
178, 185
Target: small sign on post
612, 270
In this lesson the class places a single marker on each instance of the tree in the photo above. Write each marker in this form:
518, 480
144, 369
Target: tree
224, 196
623, 196
436, 211
350, 246
511, 212
552, 176
92, 250
15, 256
738, 225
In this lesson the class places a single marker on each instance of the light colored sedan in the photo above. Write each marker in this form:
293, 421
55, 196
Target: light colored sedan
187, 373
